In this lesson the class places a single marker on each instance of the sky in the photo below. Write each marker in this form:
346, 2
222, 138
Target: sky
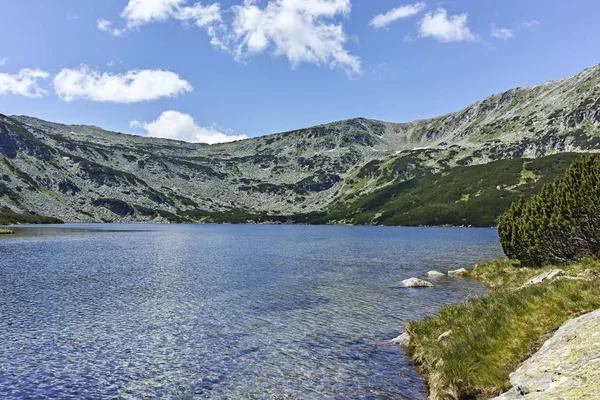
221, 71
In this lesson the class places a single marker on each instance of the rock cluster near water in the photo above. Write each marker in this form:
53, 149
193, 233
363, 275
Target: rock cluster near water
420, 283
566, 367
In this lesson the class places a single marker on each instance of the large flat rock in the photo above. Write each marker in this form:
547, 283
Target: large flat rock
566, 367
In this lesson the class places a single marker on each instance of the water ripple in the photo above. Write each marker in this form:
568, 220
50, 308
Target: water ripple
216, 312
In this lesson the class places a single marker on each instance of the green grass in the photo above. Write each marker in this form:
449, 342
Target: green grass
491, 336
6, 231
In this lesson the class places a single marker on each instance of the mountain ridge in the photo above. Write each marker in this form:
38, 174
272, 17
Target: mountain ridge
84, 173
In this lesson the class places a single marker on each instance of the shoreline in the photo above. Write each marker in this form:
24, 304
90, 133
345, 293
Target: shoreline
472, 350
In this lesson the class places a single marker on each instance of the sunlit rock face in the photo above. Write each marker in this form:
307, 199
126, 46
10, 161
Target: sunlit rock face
566, 367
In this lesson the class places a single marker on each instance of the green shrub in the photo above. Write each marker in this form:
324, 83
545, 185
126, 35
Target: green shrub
561, 224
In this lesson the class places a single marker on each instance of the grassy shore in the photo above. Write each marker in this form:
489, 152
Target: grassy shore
492, 335
6, 231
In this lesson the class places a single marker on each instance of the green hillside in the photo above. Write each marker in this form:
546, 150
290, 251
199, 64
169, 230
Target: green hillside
471, 195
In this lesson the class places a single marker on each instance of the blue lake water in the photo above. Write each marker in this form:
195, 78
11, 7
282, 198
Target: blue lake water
221, 311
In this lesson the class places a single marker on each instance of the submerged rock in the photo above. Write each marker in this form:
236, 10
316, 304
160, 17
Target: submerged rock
415, 282
546, 276
566, 367
402, 340
435, 273
460, 271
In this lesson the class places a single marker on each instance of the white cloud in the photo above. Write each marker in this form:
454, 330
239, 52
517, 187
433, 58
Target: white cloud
533, 24
140, 12
106, 26
179, 126
406, 11
301, 30
502, 33
25, 83
131, 87
446, 29
3, 61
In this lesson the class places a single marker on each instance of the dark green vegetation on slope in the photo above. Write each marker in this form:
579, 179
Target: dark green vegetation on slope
8, 217
559, 225
474, 195
491, 336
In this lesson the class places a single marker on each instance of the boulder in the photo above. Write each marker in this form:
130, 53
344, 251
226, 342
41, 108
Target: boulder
414, 283
460, 271
401, 340
444, 335
545, 277
566, 367
435, 273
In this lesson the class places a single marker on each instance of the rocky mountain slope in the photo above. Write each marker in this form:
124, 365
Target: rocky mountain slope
84, 173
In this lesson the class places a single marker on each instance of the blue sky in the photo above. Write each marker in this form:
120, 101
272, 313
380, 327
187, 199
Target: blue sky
216, 71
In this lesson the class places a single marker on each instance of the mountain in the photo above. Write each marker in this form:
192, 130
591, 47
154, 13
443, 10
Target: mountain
353, 171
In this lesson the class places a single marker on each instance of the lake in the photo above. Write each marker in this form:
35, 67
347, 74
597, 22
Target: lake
133, 311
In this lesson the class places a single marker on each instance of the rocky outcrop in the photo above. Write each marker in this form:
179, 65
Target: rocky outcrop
545, 277
402, 340
415, 283
566, 367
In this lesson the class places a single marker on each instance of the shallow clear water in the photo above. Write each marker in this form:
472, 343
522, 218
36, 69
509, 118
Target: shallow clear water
221, 311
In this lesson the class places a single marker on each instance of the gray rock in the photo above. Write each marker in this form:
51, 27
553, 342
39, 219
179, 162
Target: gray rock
566, 367
402, 340
415, 282
460, 271
545, 277
435, 274
444, 335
